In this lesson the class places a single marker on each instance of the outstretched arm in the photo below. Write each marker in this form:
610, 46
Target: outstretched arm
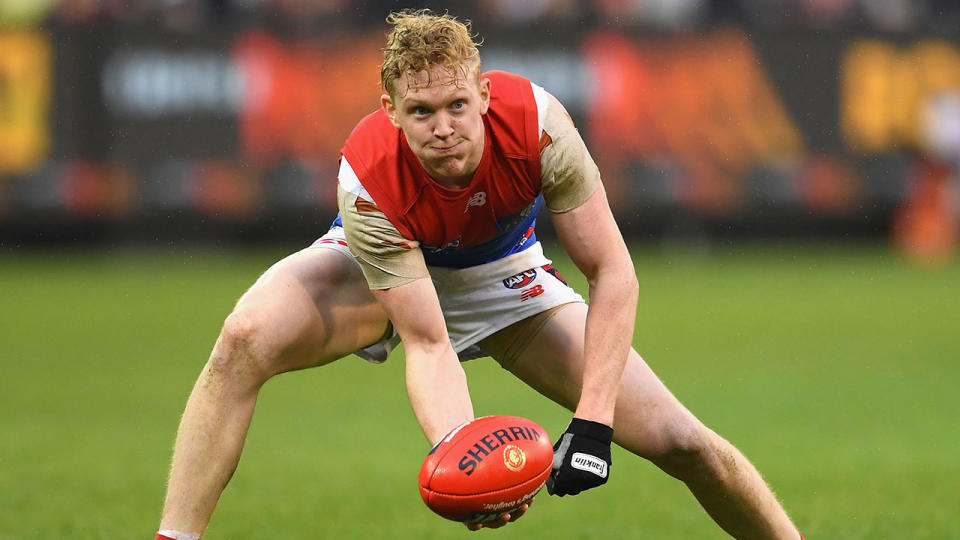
581, 214
593, 241
436, 384
395, 270
397, 274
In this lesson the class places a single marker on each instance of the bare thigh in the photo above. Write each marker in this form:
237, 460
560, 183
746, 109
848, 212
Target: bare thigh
308, 309
648, 419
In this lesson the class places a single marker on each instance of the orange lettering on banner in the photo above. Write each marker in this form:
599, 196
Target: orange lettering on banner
704, 101
885, 89
865, 95
303, 98
24, 100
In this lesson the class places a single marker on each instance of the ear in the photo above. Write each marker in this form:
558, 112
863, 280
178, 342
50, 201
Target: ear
484, 95
386, 103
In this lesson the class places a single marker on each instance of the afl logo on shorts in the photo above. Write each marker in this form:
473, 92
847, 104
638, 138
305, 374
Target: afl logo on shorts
520, 280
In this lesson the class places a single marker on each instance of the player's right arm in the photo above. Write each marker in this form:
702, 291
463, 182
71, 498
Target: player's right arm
397, 275
436, 383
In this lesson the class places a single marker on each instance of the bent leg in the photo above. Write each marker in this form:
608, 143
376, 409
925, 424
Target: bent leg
650, 422
307, 310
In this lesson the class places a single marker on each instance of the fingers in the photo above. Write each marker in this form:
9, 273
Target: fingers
499, 522
495, 524
519, 512
502, 520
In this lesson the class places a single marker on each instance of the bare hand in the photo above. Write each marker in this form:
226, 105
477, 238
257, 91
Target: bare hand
500, 521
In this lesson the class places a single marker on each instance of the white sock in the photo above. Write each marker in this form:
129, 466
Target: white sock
179, 535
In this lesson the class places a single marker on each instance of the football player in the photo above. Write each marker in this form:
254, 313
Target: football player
435, 245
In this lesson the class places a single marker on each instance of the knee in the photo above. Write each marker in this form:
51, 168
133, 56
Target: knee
688, 453
246, 351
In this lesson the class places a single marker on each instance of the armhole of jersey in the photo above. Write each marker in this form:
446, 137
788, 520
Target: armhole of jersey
350, 182
543, 101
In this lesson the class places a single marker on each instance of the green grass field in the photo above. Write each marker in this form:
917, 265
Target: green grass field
834, 368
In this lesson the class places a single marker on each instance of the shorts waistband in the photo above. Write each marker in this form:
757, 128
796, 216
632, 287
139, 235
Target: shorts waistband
510, 265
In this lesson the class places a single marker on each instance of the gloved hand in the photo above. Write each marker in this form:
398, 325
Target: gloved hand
581, 458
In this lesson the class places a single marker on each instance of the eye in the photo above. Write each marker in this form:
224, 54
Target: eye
459, 105
420, 111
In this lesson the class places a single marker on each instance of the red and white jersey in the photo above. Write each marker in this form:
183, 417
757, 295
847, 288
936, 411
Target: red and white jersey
456, 228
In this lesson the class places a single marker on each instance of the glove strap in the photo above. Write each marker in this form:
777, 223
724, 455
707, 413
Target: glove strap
588, 428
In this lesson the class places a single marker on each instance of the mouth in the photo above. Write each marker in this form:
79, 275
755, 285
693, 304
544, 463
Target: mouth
447, 149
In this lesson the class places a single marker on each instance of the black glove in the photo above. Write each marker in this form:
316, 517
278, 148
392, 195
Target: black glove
581, 458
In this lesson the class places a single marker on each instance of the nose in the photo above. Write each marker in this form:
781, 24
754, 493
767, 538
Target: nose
443, 126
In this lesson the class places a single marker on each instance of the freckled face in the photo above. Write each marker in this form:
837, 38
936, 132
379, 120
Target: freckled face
442, 120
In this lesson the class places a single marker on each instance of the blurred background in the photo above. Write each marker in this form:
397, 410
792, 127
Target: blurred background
785, 171
130, 122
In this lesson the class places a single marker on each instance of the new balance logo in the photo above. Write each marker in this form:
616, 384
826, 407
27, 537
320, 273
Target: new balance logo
478, 199
586, 462
527, 294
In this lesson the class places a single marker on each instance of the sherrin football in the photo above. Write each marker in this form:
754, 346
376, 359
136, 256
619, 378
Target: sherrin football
485, 468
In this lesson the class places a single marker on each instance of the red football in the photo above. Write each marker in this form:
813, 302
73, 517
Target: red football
485, 468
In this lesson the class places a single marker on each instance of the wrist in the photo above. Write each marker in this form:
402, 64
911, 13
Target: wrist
589, 428
596, 406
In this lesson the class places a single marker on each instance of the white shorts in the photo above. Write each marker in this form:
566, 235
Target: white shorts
481, 300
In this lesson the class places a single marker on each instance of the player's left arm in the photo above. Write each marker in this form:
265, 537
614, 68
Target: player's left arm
587, 230
592, 239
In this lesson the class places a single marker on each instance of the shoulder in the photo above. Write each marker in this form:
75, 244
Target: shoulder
386, 257
568, 173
